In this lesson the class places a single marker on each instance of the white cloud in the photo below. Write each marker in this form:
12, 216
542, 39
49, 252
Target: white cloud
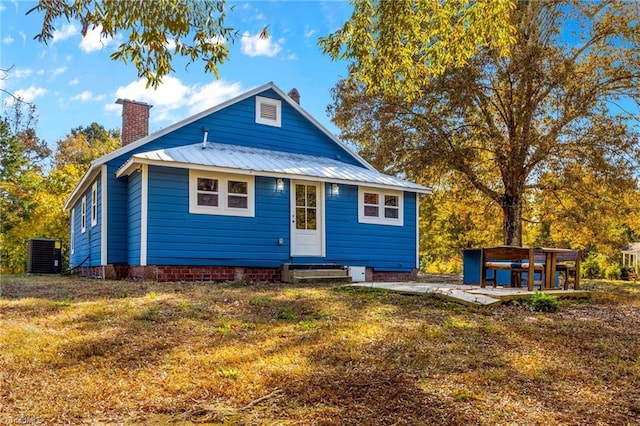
40, 72
309, 32
87, 96
67, 30
23, 36
22, 72
30, 94
8, 40
256, 46
209, 95
94, 40
56, 72
74, 82
173, 100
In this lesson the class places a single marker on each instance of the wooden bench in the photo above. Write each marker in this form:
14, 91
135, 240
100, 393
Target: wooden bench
517, 260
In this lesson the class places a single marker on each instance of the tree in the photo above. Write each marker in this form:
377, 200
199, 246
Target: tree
398, 46
21, 174
501, 124
193, 29
32, 194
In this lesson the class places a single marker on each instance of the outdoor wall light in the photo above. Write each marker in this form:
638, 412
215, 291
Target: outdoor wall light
335, 189
279, 185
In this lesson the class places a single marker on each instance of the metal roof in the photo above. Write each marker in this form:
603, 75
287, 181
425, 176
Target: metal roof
256, 161
94, 169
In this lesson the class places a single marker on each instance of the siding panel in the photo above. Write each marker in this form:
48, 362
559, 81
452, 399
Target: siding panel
176, 237
134, 218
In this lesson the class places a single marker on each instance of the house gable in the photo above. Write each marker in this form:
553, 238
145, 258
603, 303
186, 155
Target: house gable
234, 122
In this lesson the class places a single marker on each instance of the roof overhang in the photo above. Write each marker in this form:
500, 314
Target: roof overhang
259, 162
85, 182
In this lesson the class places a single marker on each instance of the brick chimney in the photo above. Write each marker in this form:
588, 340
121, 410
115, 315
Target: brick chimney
295, 95
135, 120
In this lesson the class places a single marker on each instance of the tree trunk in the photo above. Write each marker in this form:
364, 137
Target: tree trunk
512, 219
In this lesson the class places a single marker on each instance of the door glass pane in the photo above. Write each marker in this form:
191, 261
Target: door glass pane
311, 196
300, 218
311, 219
300, 196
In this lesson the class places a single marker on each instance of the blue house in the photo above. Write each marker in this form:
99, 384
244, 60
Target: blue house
238, 191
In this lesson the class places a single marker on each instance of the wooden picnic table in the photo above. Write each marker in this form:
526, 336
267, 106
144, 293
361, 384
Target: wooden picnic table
525, 260
551, 257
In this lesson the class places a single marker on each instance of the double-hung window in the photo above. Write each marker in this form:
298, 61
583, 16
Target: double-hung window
379, 206
221, 194
94, 204
83, 215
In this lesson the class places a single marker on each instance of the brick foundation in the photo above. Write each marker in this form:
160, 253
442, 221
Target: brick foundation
390, 276
215, 273
181, 273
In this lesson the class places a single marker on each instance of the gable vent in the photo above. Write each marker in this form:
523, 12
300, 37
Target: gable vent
268, 111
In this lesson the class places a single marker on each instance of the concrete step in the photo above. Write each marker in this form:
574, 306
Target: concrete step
298, 273
322, 279
320, 273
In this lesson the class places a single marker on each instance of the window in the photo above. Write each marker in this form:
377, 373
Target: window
94, 203
223, 194
268, 111
83, 215
380, 206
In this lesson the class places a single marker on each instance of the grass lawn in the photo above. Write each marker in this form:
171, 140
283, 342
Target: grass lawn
101, 352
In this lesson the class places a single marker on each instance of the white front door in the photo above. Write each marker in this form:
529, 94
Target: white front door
307, 218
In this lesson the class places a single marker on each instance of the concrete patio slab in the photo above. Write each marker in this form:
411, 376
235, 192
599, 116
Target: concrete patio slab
470, 295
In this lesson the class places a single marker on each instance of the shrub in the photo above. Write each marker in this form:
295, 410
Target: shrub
591, 266
613, 272
543, 302
441, 265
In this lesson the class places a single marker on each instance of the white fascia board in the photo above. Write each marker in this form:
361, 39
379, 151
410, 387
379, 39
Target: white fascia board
86, 180
103, 216
144, 194
134, 162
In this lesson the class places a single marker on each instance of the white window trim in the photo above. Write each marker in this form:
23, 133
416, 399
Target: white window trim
94, 204
380, 219
222, 208
278, 105
83, 215
72, 232
103, 215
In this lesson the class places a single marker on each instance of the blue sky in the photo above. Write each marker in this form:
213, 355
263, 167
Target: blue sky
73, 82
